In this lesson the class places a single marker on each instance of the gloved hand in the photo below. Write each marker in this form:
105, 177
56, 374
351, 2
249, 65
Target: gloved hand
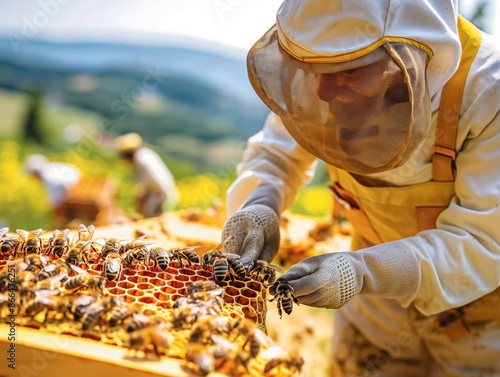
323, 281
255, 233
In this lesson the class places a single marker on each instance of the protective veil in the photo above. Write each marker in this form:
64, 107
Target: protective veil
346, 113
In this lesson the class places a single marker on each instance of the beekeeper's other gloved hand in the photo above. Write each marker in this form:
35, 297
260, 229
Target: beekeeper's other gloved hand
254, 232
331, 280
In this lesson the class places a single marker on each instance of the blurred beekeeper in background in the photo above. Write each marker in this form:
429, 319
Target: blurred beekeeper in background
401, 100
57, 177
156, 192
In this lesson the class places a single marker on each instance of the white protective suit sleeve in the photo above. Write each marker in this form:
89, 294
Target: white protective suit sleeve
154, 174
437, 269
274, 166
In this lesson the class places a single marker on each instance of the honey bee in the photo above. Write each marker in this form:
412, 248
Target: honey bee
291, 361
225, 351
202, 286
121, 313
186, 253
222, 263
58, 243
225, 264
210, 256
79, 305
134, 252
112, 245
160, 257
9, 244
254, 337
14, 267
134, 256
86, 234
78, 252
155, 336
32, 243
85, 281
265, 270
140, 321
285, 296
35, 262
52, 283
46, 300
134, 244
112, 266
184, 317
97, 311
204, 328
200, 355
53, 267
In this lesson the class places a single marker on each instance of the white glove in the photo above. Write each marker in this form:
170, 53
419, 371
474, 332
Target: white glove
330, 280
323, 281
255, 233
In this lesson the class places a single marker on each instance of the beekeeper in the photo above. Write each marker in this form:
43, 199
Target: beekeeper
157, 191
401, 100
57, 177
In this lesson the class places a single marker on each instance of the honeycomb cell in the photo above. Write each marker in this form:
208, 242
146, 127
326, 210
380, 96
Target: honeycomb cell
133, 279
117, 291
254, 286
207, 274
135, 292
249, 293
242, 300
228, 299
147, 300
145, 286
129, 299
183, 278
97, 267
148, 273
237, 284
161, 296
232, 291
164, 276
188, 272
157, 282
176, 297
126, 284
172, 271
129, 272
175, 284
167, 289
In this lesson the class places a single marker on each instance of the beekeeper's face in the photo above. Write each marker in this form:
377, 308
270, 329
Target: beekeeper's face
363, 82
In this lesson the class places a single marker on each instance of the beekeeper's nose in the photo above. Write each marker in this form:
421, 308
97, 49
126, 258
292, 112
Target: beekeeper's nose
336, 86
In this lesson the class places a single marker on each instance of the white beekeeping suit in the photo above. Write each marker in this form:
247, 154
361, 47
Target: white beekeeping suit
401, 99
57, 177
157, 192
157, 180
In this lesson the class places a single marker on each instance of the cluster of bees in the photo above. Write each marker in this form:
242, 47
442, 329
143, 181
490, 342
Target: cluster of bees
50, 281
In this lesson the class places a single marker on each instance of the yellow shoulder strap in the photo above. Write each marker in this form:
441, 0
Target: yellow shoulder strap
451, 101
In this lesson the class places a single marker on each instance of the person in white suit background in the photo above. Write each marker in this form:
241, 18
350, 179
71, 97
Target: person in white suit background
157, 191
